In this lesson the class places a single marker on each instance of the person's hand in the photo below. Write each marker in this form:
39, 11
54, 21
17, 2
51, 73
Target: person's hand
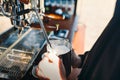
75, 60
51, 68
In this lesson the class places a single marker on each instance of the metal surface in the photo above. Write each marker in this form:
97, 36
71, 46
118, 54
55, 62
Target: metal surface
59, 46
18, 54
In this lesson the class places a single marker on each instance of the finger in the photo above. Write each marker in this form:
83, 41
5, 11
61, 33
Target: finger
53, 57
40, 74
44, 55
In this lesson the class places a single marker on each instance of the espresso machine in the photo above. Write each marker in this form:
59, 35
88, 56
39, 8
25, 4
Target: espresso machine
21, 44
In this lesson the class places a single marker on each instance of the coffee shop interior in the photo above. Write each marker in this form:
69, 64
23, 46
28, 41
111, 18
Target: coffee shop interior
28, 28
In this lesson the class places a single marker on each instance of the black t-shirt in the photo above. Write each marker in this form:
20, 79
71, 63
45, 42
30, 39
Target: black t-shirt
103, 62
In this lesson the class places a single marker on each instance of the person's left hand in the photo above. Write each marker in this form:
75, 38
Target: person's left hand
75, 60
51, 68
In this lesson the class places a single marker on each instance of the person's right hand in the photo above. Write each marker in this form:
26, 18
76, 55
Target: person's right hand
51, 68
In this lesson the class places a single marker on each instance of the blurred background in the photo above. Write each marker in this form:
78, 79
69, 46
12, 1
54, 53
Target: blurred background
93, 15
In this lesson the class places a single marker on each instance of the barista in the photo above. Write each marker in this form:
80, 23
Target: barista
102, 61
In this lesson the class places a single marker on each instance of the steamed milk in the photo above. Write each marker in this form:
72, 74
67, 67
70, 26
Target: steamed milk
59, 47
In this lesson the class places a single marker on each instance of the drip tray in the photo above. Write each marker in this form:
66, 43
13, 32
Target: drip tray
18, 54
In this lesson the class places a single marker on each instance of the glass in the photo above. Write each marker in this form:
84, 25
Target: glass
62, 48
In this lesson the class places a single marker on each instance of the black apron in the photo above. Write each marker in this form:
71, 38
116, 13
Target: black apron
103, 62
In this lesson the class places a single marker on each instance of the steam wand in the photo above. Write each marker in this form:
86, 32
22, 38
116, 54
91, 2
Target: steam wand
42, 26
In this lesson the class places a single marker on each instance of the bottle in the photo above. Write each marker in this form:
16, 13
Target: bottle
71, 7
53, 5
59, 10
47, 6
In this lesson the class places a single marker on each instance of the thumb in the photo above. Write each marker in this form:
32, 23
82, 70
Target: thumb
53, 58
40, 74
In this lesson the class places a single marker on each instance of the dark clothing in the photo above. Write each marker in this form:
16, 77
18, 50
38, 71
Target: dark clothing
103, 61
